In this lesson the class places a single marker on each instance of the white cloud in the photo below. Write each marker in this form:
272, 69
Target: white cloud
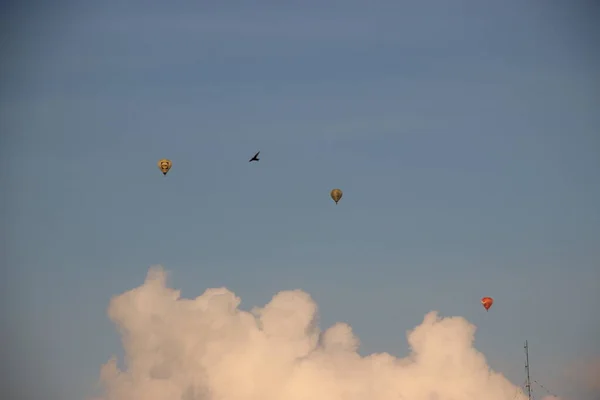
208, 349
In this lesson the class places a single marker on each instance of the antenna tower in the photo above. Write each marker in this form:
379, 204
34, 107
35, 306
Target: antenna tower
528, 381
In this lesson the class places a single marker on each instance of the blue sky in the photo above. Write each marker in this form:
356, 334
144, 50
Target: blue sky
464, 135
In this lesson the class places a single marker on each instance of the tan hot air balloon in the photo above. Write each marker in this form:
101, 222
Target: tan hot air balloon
165, 165
336, 195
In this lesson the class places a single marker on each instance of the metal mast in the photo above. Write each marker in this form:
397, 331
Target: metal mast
528, 381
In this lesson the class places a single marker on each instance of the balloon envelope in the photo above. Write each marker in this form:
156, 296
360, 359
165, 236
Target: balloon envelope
164, 165
487, 302
336, 195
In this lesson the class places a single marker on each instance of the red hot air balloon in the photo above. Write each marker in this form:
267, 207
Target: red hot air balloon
487, 302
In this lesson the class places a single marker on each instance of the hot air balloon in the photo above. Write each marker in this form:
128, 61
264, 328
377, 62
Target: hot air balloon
164, 165
336, 195
487, 302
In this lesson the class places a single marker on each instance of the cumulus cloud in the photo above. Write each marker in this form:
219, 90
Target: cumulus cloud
208, 349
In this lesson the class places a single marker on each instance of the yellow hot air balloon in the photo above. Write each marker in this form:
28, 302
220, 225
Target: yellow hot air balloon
165, 165
336, 195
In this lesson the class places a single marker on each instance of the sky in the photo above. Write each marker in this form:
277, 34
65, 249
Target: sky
463, 134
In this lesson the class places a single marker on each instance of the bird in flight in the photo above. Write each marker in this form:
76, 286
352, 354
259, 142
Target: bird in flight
255, 158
